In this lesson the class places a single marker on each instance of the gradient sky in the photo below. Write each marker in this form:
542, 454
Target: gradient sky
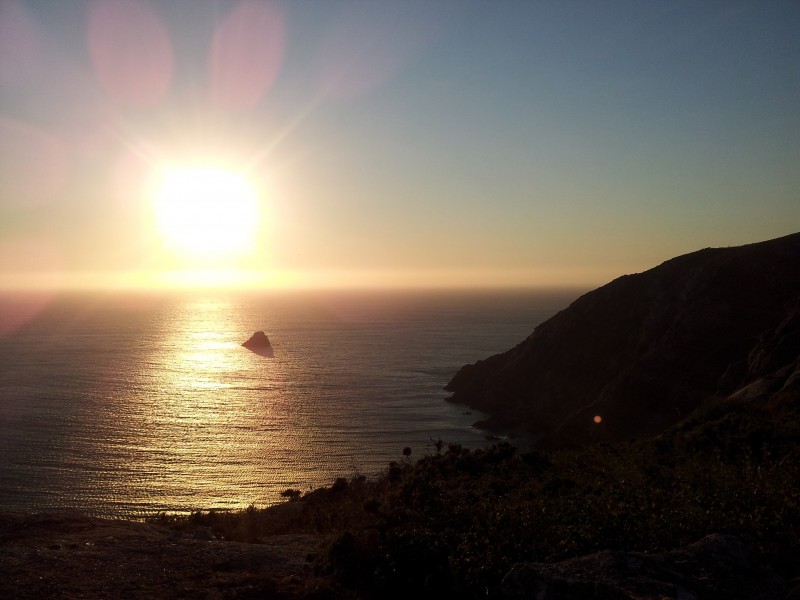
400, 143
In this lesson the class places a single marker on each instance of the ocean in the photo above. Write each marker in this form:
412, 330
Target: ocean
130, 404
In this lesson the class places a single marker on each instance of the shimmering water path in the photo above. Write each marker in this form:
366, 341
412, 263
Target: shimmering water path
126, 405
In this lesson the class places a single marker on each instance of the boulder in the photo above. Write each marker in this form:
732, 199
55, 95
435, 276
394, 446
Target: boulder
717, 566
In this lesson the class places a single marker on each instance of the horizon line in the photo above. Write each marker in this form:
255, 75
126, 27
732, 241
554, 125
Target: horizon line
355, 280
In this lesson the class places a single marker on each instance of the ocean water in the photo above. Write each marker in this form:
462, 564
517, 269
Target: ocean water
126, 405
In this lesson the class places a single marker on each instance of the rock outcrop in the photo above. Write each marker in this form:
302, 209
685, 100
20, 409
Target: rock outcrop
643, 351
259, 343
718, 566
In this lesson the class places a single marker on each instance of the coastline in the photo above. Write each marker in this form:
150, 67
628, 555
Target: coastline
663, 515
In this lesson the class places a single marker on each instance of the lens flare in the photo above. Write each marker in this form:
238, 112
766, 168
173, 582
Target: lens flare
131, 51
246, 54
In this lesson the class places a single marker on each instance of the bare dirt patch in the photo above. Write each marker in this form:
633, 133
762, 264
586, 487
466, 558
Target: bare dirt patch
73, 556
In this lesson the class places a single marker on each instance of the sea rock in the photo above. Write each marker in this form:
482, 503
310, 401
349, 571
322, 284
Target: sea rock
258, 342
645, 350
717, 566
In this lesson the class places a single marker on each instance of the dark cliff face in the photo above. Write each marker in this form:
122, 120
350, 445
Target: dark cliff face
644, 350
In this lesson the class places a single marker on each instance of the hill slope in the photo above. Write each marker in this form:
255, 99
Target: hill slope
644, 350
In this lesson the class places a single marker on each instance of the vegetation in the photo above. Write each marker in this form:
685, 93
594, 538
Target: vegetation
452, 523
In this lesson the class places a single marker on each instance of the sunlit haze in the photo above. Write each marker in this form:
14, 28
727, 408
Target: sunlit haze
389, 144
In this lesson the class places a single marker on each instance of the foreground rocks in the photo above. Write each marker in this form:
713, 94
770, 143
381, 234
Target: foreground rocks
73, 556
718, 566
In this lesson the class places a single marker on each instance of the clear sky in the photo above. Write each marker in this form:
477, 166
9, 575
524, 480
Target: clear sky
460, 143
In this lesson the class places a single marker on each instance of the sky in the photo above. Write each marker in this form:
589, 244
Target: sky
426, 144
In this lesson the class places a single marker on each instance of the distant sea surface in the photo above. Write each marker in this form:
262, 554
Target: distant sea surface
126, 405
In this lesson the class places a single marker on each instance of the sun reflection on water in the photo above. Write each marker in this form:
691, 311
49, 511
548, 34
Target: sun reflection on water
203, 437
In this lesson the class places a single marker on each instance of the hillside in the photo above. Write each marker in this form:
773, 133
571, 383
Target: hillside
645, 350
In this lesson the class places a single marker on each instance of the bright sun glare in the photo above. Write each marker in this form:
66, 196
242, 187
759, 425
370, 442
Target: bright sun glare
205, 212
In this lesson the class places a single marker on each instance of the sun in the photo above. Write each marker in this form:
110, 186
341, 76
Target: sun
205, 213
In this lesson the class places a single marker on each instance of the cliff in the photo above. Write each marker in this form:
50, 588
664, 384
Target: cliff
643, 351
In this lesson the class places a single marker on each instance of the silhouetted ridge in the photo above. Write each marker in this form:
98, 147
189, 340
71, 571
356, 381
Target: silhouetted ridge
644, 350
